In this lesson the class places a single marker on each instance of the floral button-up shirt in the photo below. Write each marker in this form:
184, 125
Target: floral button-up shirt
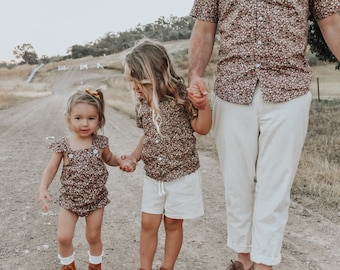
262, 42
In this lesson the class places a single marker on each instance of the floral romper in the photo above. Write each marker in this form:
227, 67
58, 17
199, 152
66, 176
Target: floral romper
83, 179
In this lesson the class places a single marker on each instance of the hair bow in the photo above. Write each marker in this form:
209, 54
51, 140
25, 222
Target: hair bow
92, 93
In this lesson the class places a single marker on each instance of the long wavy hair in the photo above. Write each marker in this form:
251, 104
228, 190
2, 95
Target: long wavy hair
149, 66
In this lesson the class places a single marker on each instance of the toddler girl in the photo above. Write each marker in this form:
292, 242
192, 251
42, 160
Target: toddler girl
83, 178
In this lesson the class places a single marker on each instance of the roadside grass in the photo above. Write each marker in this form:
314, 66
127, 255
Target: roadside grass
317, 184
318, 176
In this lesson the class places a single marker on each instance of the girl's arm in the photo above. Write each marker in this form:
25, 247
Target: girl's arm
137, 153
47, 178
202, 123
110, 159
135, 156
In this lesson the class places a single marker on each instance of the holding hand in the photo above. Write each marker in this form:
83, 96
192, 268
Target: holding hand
127, 163
197, 93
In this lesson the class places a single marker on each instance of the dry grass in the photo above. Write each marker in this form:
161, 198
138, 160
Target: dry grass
318, 177
317, 183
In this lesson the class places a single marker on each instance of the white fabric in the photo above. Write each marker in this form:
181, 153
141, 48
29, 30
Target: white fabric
95, 259
177, 199
66, 260
259, 149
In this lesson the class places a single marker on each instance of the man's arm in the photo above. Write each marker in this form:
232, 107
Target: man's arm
201, 46
330, 28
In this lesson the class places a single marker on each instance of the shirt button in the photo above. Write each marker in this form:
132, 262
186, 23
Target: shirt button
257, 65
159, 158
157, 141
259, 42
260, 18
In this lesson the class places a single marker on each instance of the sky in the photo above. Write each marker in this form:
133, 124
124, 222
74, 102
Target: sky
52, 26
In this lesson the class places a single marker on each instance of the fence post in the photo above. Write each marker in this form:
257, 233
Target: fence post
317, 82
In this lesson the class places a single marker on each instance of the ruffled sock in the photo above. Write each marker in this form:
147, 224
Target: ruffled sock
95, 259
67, 260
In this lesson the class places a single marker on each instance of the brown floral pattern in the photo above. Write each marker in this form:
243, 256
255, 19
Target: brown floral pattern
83, 179
173, 154
265, 42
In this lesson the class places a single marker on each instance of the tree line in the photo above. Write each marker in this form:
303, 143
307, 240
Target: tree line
163, 29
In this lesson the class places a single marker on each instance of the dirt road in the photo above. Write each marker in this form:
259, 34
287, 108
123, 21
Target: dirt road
28, 236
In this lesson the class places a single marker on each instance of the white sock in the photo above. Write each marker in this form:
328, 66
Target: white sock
95, 259
67, 260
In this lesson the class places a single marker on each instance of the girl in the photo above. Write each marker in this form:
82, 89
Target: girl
172, 185
83, 192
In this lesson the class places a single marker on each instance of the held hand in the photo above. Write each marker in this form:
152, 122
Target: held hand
43, 198
128, 164
197, 93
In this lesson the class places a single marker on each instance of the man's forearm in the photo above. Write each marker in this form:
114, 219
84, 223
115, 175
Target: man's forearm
330, 28
201, 47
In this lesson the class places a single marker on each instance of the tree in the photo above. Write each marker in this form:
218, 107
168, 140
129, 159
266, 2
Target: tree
26, 53
318, 45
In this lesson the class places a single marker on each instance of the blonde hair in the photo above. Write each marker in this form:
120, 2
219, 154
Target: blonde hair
88, 96
150, 66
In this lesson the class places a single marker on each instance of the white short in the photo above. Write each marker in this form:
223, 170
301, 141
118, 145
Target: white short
177, 199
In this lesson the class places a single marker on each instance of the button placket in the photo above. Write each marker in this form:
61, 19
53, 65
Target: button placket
259, 41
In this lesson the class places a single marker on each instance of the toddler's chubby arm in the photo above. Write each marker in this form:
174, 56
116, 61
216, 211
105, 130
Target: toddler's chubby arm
128, 165
135, 156
47, 178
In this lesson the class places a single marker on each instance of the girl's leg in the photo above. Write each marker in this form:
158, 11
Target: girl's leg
93, 232
148, 239
173, 241
65, 231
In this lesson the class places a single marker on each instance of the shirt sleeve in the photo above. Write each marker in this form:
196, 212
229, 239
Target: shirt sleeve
205, 10
324, 8
58, 146
102, 142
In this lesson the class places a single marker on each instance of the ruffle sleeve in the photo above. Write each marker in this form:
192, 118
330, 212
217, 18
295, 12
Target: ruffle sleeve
59, 146
101, 141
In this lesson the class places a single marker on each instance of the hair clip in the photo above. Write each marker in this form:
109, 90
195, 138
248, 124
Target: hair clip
92, 93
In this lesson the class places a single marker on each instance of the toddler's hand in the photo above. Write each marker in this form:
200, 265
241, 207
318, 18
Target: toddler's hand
43, 198
128, 164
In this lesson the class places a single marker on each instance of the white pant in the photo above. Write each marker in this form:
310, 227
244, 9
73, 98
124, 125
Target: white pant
259, 148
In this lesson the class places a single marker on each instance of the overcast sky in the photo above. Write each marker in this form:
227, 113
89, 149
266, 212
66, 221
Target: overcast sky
52, 26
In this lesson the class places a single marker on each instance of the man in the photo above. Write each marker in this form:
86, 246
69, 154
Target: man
260, 109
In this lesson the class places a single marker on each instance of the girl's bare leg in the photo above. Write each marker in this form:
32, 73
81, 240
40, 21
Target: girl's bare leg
93, 231
173, 241
148, 239
66, 224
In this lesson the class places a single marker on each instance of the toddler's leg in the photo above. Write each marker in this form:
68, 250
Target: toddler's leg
95, 262
65, 231
148, 239
93, 236
173, 242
